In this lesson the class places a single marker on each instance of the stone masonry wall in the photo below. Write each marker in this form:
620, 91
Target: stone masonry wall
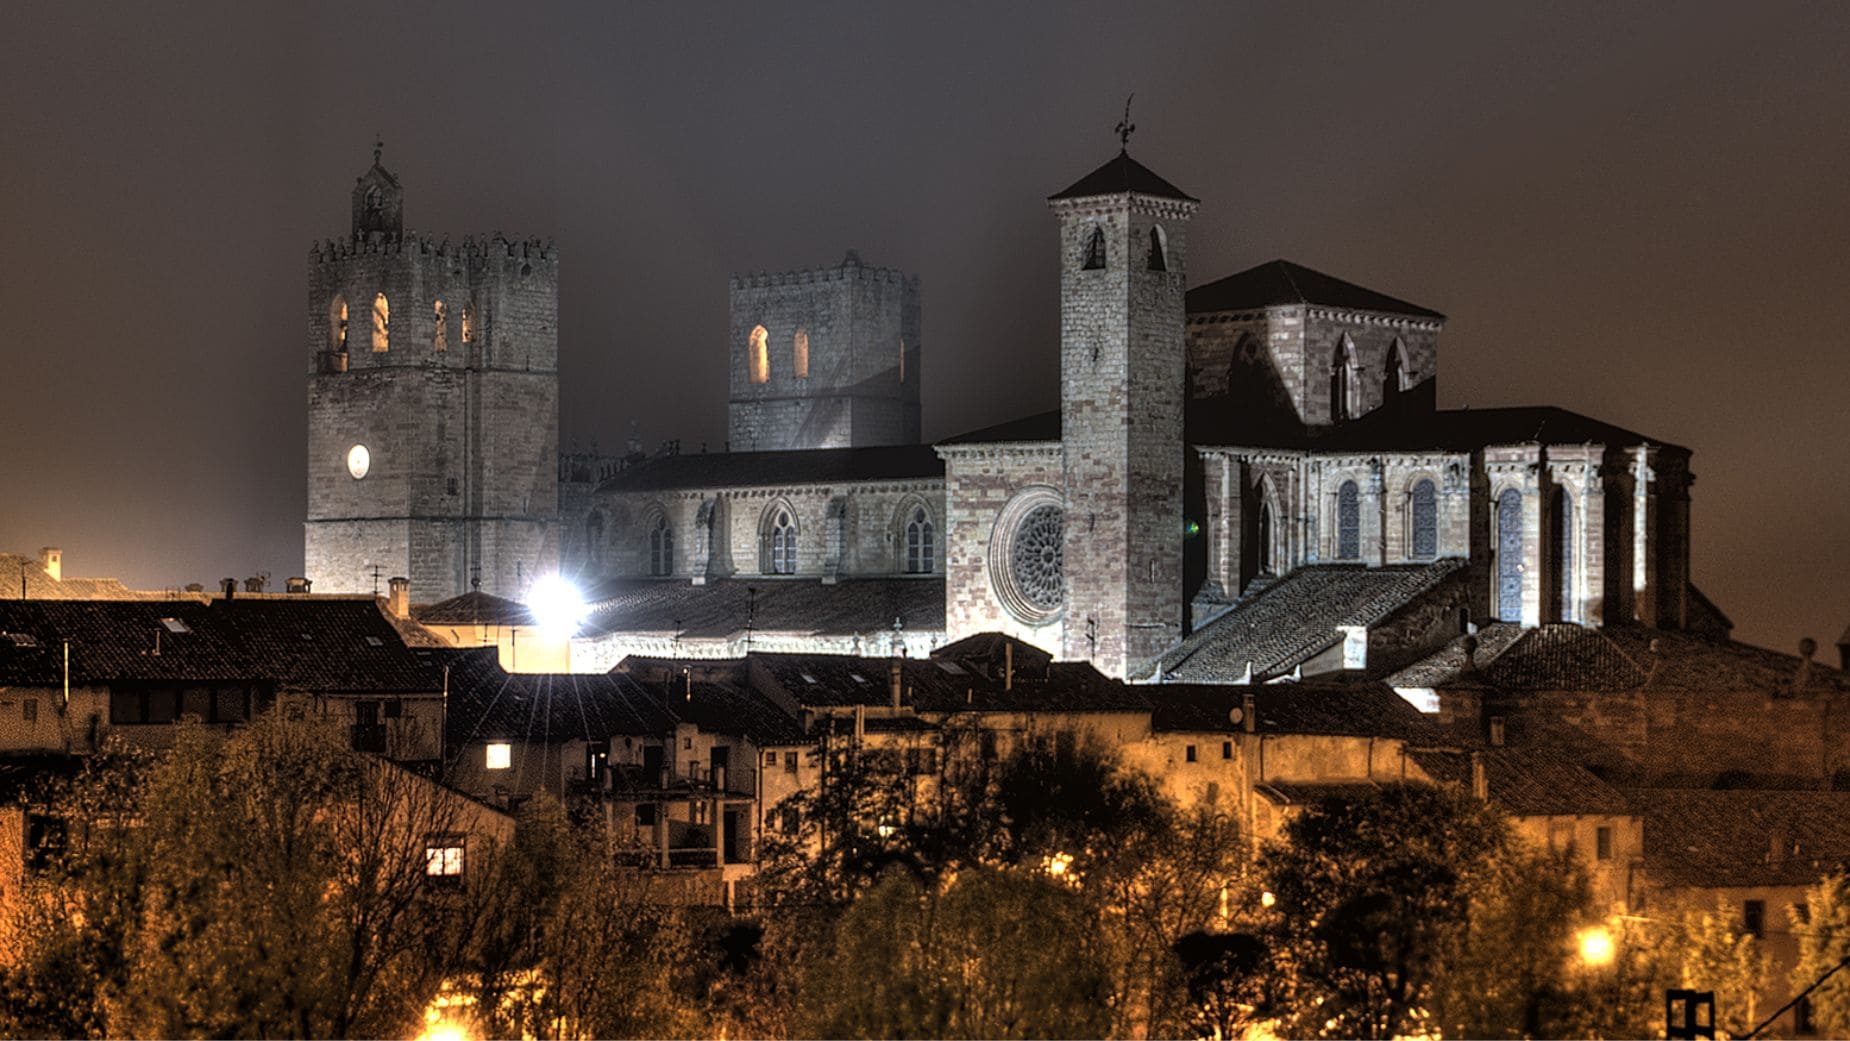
979, 483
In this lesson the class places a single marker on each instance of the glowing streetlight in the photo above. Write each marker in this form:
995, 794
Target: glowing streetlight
1595, 946
1059, 864
557, 605
1266, 899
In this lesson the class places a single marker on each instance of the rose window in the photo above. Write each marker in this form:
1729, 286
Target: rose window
1036, 557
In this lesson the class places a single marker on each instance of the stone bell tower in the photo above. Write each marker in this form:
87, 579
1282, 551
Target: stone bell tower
433, 407
1123, 383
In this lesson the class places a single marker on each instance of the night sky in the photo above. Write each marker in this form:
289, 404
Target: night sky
1640, 212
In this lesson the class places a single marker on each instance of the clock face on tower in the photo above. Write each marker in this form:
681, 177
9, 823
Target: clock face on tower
359, 460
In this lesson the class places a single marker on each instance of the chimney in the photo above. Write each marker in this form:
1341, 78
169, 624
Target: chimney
51, 558
230, 586
1468, 644
1807, 648
1249, 712
399, 599
254, 584
1480, 781
297, 585
895, 678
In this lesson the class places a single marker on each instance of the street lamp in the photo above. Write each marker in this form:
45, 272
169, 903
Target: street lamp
1595, 946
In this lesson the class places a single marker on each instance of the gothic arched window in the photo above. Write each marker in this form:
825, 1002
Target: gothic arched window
1564, 556
1159, 261
1348, 522
781, 544
921, 539
1266, 567
1424, 522
440, 341
1509, 556
468, 323
1394, 374
594, 541
337, 324
661, 547
1340, 367
382, 323
758, 355
799, 354
1095, 251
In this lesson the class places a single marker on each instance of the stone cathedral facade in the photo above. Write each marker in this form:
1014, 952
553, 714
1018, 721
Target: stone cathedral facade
433, 406
1245, 479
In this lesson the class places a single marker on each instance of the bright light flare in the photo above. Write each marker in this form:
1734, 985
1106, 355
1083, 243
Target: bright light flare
1267, 899
1596, 947
557, 605
1058, 864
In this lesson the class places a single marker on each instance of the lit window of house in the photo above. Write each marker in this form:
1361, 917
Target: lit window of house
500, 756
443, 857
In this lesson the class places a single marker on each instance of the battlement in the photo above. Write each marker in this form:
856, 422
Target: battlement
851, 269
472, 249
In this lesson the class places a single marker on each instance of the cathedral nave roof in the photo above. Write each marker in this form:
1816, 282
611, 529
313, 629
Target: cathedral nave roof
1281, 283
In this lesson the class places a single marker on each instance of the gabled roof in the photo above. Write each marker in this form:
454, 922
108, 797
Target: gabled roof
331, 646
726, 607
487, 702
1119, 175
1042, 426
945, 685
1296, 618
1334, 707
1726, 839
1281, 283
474, 608
1528, 782
796, 466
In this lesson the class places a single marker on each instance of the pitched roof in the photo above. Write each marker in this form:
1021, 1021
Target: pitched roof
487, 702
944, 684
1119, 175
327, 646
1361, 709
40, 586
1528, 782
1042, 426
728, 606
474, 608
757, 469
1280, 282
1295, 618
1723, 839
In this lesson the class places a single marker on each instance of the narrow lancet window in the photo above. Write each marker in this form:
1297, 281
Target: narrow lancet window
1348, 522
337, 324
1425, 522
799, 354
440, 340
1158, 261
758, 355
921, 537
661, 548
1095, 251
382, 323
782, 549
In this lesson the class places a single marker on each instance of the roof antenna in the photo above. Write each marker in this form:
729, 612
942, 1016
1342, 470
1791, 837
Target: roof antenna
1125, 127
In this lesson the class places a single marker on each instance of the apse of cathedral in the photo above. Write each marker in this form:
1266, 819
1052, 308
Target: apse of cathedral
1245, 480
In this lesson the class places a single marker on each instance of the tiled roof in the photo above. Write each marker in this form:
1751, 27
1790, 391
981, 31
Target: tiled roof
757, 469
322, 645
1122, 174
1719, 839
1528, 782
1567, 657
1301, 793
726, 607
1296, 617
486, 702
943, 685
41, 586
1407, 428
1280, 282
1363, 708
330, 646
474, 608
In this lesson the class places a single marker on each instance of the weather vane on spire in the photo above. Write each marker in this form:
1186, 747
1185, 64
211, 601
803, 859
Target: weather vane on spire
379, 146
1125, 127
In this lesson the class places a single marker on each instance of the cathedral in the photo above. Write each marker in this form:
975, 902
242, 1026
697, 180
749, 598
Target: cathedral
1246, 480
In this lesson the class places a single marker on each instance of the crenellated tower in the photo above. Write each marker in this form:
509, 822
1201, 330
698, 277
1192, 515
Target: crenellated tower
433, 406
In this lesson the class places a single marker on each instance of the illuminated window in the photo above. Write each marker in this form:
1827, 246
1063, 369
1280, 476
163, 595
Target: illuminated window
799, 363
1424, 506
781, 544
661, 547
468, 323
1095, 251
758, 355
1158, 260
1348, 522
499, 756
443, 858
440, 340
921, 538
382, 323
337, 323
